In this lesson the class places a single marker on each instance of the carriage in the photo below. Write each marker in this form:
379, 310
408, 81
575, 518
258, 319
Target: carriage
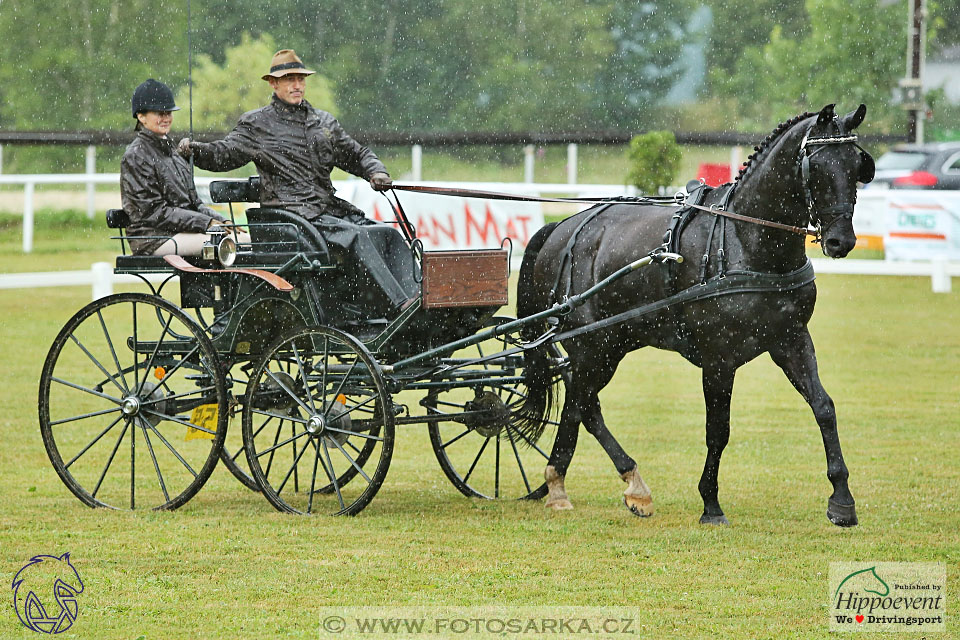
285, 339
286, 336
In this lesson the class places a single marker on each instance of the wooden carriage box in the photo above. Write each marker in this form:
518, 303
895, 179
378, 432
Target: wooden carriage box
465, 278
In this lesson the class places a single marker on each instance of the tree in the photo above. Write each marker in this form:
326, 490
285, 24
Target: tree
654, 160
846, 58
221, 94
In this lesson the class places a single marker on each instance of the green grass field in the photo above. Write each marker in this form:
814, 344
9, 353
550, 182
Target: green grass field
228, 566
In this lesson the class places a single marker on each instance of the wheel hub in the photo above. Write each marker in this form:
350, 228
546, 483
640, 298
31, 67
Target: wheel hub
316, 425
492, 414
130, 406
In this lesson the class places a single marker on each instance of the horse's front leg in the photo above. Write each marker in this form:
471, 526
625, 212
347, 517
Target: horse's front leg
717, 389
799, 362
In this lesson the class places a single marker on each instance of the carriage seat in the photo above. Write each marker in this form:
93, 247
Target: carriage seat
271, 229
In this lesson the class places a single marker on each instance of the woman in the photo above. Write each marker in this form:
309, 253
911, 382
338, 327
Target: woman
156, 184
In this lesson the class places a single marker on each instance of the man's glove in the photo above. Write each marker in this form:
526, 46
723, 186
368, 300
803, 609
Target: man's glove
183, 148
380, 181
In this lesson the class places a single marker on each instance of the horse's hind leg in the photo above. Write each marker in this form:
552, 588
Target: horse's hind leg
717, 389
563, 449
799, 362
636, 496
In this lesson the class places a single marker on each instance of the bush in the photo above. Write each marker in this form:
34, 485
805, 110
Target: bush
654, 160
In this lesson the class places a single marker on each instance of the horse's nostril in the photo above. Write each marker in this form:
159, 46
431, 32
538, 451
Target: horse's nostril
833, 243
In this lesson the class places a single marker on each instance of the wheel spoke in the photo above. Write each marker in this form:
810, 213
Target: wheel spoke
290, 393
95, 440
116, 447
303, 375
496, 472
183, 360
516, 454
466, 478
353, 408
276, 438
86, 415
93, 392
113, 352
313, 477
174, 452
156, 348
277, 415
179, 421
133, 466
153, 457
285, 442
147, 403
292, 469
332, 473
97, 363
352, 461
450, 442
355, 433
136, 350
528, 441
346, 376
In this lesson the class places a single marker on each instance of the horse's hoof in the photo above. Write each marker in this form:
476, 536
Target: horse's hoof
715, 520
561, 504
842, 515
640, 507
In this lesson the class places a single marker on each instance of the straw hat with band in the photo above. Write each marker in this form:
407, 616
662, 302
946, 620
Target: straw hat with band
285, 62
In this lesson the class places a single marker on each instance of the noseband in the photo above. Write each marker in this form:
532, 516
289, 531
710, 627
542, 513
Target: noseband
838, 211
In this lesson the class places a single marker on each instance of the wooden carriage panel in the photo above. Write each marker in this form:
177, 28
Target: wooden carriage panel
465, 278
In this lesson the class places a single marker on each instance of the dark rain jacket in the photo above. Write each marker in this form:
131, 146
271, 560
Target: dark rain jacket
157, 191
295, 147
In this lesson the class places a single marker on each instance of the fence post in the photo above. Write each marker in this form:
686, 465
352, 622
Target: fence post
1, 158
572, 163
736, 155
416, 156
528, 155
28, 217
91, 187
102, 277
939, 276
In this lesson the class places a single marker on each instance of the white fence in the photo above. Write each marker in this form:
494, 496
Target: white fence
872, 217
102, 279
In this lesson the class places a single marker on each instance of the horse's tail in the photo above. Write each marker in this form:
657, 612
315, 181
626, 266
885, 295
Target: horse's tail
531, 418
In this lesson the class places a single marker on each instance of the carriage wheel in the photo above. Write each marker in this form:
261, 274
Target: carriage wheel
484, 456
131, 415
318, 423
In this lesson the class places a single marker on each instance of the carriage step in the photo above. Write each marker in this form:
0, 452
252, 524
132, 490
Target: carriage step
169, 346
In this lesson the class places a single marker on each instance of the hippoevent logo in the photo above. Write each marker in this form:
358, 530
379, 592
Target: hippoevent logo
45, 593
887, 596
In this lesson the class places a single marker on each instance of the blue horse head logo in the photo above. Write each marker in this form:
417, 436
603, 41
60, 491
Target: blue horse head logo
31, 588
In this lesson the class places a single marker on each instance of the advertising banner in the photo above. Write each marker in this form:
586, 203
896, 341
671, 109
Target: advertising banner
922, 225
447, 222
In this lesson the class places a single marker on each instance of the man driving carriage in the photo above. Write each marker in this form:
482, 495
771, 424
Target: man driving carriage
295, 147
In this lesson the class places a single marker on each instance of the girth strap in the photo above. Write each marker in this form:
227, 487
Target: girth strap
736, 281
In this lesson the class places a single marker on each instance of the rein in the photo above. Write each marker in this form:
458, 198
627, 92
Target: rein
659, 201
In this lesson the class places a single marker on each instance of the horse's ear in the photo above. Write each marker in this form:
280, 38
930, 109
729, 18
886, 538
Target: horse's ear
853, 119
826, 114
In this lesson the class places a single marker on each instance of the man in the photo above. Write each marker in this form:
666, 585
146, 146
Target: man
295, 147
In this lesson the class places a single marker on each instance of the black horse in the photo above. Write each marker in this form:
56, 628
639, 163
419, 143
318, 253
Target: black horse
744, 288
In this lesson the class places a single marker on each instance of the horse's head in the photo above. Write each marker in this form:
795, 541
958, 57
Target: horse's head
830, 164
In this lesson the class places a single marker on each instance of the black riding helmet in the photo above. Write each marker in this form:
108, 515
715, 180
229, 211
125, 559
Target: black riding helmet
152, 95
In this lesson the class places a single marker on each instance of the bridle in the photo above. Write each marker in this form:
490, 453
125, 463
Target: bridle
839, 211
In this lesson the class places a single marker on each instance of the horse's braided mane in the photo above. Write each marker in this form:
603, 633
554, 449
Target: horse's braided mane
761, 148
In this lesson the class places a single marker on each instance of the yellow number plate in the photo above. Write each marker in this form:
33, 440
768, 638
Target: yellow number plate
205, 417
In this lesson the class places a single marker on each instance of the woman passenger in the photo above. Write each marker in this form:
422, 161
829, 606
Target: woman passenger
156, 184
